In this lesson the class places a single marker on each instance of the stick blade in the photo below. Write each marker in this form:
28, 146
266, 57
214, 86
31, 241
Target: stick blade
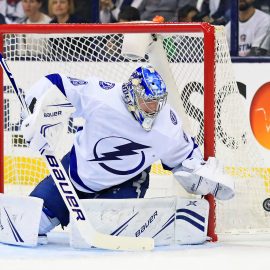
123, 243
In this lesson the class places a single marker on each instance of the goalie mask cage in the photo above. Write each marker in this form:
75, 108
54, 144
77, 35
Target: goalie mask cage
205, 95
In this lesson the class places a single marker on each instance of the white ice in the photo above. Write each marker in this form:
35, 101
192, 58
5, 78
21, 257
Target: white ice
58, 255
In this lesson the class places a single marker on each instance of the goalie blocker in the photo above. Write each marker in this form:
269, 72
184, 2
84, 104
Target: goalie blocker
168, 220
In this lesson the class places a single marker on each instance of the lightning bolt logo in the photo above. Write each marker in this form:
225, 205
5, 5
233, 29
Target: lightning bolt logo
128, 149
123, 150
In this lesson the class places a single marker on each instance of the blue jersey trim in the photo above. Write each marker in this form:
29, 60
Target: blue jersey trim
57, 81
166, 167
195, 146
74, 171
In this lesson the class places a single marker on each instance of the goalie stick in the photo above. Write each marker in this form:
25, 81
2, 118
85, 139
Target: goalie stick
76, 210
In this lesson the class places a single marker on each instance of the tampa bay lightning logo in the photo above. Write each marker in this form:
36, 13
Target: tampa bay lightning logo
119, 155
77, 82
106, 85
173, 117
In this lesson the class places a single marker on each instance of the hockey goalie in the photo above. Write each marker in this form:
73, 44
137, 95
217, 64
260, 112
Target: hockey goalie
128, 126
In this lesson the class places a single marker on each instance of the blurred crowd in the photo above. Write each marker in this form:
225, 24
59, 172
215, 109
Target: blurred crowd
254, 15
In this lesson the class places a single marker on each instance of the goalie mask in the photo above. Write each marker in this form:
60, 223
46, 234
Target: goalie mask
145, 95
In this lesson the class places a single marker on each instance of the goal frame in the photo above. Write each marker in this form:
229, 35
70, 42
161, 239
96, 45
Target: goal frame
209, 74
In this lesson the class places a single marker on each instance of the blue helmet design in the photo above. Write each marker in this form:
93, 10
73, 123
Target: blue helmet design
145, 95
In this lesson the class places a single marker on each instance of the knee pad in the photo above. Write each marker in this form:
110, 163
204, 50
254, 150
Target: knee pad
47, 223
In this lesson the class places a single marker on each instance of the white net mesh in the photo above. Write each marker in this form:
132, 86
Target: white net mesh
81, 55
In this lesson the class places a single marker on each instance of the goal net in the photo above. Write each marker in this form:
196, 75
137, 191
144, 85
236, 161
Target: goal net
202, 89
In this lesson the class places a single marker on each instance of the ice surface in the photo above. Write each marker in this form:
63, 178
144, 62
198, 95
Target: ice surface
59, 255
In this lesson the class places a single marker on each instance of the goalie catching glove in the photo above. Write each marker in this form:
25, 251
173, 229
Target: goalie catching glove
43, 128
202, 178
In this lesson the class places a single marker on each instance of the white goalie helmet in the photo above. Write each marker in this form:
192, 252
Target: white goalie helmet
145, 95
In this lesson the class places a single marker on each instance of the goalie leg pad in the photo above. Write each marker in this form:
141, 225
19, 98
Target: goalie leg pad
167, 220
19, 220
129, 217
191, 221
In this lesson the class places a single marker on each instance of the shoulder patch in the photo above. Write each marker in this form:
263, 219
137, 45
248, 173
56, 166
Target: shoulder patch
77, 82
106, 85
173, 117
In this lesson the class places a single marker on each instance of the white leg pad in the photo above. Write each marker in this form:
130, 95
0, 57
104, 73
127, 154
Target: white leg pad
19, 219
159, 218
191, 221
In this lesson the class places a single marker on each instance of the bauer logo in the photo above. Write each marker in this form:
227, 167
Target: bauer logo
173, 117
52, 114
119, 155
106, 85
77, 82
146, 224
65, 187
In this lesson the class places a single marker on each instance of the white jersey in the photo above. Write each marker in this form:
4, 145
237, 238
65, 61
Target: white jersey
254, 32
112, 147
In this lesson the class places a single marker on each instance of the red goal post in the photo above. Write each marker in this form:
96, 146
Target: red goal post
209, 55
206, 97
